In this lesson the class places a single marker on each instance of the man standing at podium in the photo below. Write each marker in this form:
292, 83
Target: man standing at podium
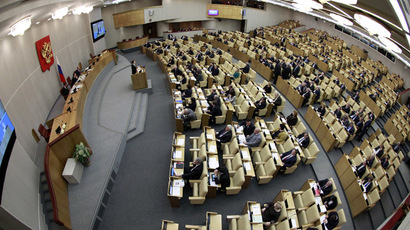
133, 67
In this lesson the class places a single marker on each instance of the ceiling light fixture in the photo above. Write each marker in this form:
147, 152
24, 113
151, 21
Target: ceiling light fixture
346, 2
341, 20
82, 10
400, 15
60, 13
372, 26
309, 3
19, 27
390, 46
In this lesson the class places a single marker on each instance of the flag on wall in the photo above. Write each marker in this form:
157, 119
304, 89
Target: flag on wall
60, 72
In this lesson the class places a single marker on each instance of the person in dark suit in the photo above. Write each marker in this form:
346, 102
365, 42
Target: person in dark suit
367, 183
338, 113
356, 97
359, 125
74, 79
317, 92
321, 110
192, 105
248, 127
176, 71
325, 187
396, 147
246, 68
270, 213
306, 96
303, 140
214, 110
195, 172
277, 71
346, 108
296, 71
286, 72
331, 221
215, 71
315, 66
330, 202
133, 67
224, 136
350, 129
355, 117
260, 104
277, 101
288, 159
187, 93
379, 150
292, 119
384, 162
268, 88
222, 177
65, 90
211, 96
361, 168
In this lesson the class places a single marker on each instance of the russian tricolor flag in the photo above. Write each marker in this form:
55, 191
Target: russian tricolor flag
60, 72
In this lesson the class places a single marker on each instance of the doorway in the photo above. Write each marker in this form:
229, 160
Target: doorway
150, 29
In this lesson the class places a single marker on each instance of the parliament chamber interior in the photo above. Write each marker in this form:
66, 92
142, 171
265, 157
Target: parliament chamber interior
200, 114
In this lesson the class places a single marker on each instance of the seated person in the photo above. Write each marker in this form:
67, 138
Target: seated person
338, 112
187, 93
303, 140
331, 221
215, 71
325, 187
231, 98
187, 117
288, 159
248, 127
176, 71
268, 88
350, 129
356, 97
292, 119
361, 168
346, 108
254, 139
211, 96
195, 172
270, 213
396, 147
379, 150
321, 109
384, 162
306, 96
260, 104
192, 105
367, 183
277, 101
222, 177
279, 135
223, 136
230, 90
246, 68
330, 202
236, 74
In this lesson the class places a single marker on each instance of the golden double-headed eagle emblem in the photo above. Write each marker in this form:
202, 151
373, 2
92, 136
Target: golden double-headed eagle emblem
46, 52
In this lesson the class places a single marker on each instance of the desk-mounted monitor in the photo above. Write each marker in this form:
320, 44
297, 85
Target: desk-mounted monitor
213, 12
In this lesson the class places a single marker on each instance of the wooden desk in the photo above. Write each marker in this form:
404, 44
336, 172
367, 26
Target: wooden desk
74, 105
139, 80
132, 44
249, 173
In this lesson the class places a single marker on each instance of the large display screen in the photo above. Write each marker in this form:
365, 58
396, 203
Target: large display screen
98, 30
7, 138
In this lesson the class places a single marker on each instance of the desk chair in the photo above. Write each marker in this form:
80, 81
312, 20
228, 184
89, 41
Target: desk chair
197, 123
342, 218
309, 216
233, 163
231, 149
239, 222
303, 199
236, 182
265, 172
310, 153
200, 189
44, 132
262, 155
293, 168
298, 129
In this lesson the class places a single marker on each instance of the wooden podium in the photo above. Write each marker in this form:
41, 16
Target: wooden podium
139, 80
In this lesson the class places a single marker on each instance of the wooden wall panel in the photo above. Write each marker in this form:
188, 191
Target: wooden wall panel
129, 18
226, 11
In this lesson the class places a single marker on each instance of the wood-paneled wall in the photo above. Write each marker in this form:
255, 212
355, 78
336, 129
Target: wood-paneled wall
226, 11
129, 18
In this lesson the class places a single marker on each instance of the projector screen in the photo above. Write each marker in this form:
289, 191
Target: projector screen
98, 30
213, 12
7, 139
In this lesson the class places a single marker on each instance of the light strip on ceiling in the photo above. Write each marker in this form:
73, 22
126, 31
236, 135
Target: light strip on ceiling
389, 45
340, 10
20, 26
371, 25
377, 16
341, 20
400, 14
60, 13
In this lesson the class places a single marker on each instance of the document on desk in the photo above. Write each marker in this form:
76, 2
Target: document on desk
276, 156
263, 125
213, 163
177, 154
212, 148
273, 147
176, 191
245, 155
293, 223
266, 131
247, 166
241, 138
323, 208
322, 218
181, 142
256, 210
257, 219
179, 183
209, 136
239, 129
318, 200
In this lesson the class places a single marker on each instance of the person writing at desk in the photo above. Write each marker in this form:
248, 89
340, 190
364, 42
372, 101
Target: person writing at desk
195, 172
270, 213
222, 177
331, 221
330, 202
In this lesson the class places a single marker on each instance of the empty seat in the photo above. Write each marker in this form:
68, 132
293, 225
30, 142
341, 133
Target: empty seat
266, 171
233, 163
310, 153
199, 191
236, 182
303, 199
310, 216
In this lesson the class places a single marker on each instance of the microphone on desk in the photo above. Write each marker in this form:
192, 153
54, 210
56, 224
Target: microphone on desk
71, 100
69, 109
58, 130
